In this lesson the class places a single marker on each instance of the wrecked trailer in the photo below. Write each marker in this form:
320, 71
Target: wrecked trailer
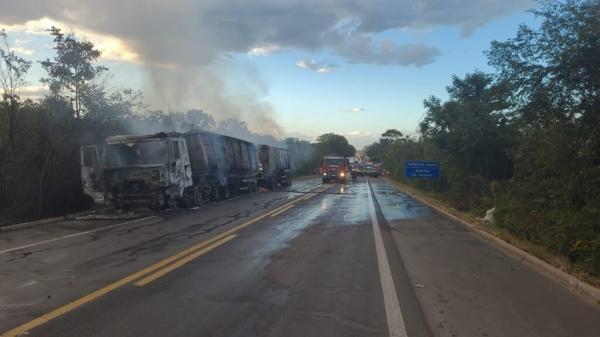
165, 169
222, 166
274, 167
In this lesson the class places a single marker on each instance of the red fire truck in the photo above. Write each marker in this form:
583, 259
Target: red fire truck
335, 169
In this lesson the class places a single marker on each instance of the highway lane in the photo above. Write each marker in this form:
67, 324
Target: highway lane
284, 264
42, 277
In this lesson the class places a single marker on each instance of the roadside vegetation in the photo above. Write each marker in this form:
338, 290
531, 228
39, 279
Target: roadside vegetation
40, 138
524, 139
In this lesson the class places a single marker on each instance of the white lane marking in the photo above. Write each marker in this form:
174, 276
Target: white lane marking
393, 313
73, 235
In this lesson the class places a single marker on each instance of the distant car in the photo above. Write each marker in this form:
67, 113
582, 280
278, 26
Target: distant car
371, 170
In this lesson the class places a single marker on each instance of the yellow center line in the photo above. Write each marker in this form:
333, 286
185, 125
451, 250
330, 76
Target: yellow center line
183, 261
23, 329
281, 211
26, 327
316, 193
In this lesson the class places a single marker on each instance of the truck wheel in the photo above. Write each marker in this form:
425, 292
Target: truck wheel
160, 202
224, 192
233, 191
184, 202
270, 184
215, 195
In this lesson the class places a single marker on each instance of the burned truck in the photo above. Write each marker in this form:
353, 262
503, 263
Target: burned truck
274, 167
165, 169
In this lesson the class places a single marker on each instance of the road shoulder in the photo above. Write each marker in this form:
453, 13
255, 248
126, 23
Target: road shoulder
583, 289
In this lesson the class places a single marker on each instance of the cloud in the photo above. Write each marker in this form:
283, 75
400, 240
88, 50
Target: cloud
22, 50
180, 44
33, 91
354, 110
112, 48
319, 67
19, 47
264, 50
365, 49
359, 139
191, 32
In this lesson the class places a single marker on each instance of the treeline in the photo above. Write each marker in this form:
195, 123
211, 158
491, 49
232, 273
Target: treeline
306, 157
524, 139
40, 139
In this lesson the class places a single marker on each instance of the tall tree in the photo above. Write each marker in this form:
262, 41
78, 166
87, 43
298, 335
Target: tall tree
12, 79
471, 124
331, 143
72, 69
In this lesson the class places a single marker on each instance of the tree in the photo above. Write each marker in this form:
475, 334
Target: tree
471, 125
71, 71
199, 120
554, 75
391, 135
12, 79
375, 151
334, 144
555, 71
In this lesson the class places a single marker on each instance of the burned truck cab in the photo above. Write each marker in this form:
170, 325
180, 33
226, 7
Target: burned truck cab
151, 169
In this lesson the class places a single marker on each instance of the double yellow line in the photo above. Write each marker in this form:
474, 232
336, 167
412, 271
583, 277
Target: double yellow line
154, 271
312, 194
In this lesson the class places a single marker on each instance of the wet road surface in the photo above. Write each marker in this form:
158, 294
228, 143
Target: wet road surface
310, 260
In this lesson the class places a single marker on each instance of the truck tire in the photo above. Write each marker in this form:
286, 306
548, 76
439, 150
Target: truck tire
184, 202
270, 184
224, 192
215, 194
233, 191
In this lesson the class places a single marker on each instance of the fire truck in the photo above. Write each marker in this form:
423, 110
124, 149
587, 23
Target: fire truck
335, 169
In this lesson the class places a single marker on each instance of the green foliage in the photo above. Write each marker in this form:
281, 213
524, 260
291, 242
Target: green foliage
526, 139
333, 144
13, 69
72, 70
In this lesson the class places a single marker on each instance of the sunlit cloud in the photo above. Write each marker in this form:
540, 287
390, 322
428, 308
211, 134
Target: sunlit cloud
354, 109
112, 48
264, 50
33, 91
313, 65
22, 50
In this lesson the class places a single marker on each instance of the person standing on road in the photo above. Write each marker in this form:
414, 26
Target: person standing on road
353, 174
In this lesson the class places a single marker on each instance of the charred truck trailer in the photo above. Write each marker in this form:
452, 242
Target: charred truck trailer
167, 168
274, 167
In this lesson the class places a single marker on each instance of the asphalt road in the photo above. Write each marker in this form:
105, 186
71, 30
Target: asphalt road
358, 259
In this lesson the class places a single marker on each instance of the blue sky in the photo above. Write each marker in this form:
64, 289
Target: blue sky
357, 93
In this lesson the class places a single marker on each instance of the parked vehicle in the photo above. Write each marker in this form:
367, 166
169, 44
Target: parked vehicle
335, 169
274, 167
167, 168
